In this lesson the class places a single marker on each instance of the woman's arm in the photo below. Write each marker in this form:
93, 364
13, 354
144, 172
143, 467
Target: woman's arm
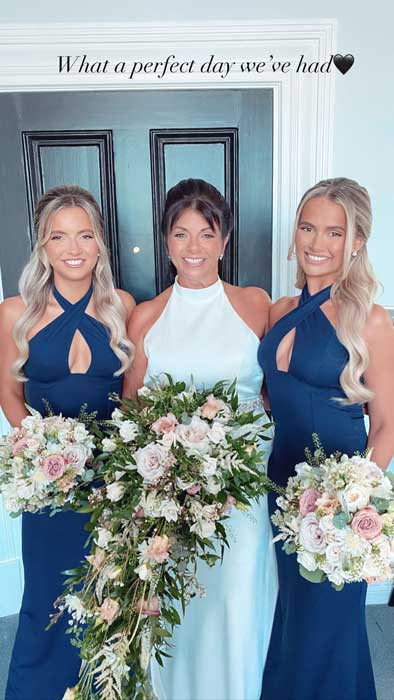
136, 330
12, 399
379, 377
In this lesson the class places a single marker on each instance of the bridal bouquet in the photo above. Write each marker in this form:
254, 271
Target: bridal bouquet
174, 463
43, 462
337, 515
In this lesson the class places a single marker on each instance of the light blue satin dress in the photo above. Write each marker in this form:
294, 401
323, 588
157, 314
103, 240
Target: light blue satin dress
221, 645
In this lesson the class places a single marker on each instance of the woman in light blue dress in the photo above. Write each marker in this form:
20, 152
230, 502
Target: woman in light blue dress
203, 327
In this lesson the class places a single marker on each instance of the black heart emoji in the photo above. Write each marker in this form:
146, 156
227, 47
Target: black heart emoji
343, 63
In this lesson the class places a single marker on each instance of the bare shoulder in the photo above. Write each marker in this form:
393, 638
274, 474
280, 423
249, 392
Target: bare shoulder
379, 325
145, 314
11, 310
255, 296
127, 300
282, 307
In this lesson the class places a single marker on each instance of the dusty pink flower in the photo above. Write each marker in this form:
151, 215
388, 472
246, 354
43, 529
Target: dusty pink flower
311, 536
211, 407
97, 559
148, 607
158, 549
138, 513
367, 523
231, 501
19, 446
53, 467
109, 610
192, 490
165, 424
308, 501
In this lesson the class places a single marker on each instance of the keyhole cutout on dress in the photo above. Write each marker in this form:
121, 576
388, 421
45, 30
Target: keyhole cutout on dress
284, 351
79, 356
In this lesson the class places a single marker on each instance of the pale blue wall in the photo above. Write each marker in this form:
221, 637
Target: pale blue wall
364, 110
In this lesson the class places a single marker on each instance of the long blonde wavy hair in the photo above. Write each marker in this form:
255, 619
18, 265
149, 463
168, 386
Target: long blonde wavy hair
354, 291
36, 279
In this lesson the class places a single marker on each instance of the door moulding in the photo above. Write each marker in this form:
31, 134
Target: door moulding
303, 102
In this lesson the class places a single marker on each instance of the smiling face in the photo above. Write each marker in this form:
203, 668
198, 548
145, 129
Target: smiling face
320, 240
195, 248
72, 249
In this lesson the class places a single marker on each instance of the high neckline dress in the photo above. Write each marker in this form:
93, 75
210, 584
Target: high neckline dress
319, 647
44, 664
221, 645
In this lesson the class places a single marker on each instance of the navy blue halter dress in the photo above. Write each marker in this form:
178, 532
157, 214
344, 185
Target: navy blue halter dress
319, 647
44, 663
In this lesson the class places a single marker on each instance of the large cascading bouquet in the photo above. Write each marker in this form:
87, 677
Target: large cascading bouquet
174, 463
337, 515
44, 462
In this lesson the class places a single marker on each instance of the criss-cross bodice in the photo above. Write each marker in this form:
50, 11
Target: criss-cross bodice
303, 398
47, 367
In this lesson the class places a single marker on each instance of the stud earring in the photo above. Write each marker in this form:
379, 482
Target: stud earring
354, 253
220, 257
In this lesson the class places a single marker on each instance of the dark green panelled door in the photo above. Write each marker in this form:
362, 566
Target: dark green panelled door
129, 147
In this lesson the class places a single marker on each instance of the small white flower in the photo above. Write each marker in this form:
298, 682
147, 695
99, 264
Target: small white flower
209, 466
170, 510
104, 537
212, 485
143, 572
115, 491
108, 445
144, 391
128, 430
80, 433
217, 433
307, 560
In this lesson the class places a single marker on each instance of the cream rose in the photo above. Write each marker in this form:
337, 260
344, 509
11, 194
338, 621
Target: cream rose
115, 491
151, 462
355, 497
194, 436
128, 430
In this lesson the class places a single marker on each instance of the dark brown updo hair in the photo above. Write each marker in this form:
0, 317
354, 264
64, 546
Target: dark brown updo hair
202, 197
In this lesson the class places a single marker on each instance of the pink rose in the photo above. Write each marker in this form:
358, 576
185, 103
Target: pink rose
53, 467
308, 501
367, 523
148, 607
158, 549
165, 424
109, 610
210, 408
19, 446
192, 490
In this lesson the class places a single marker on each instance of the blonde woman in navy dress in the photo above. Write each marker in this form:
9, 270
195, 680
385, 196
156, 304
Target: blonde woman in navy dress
203, 327
328, 352
63, 342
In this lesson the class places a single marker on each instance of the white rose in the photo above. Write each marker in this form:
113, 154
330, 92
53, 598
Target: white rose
355, 497
76, 455
384, 489
128, 430
217, 433
194, 436
168, 439
327, 525
203, 528
115, 491
209, 466
212, 486
170, 511
151, 461
144, 391
143, 572
334, 552
80, 433
117, 415
25, 491
108, 445
303, 469
307, 560
104, 537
